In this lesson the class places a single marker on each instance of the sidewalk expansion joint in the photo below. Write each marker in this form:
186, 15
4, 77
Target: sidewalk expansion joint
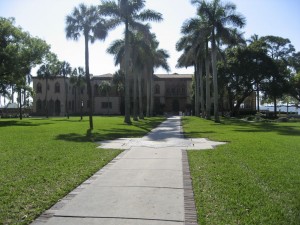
119, 218
174, 188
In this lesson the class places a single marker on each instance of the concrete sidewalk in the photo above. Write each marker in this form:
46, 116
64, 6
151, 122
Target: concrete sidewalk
147, 184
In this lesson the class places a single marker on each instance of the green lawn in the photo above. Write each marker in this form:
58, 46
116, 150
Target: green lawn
254, 179
41, 160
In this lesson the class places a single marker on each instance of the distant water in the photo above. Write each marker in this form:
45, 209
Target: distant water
279, 108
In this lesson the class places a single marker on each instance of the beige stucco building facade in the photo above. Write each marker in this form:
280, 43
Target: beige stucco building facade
172, 93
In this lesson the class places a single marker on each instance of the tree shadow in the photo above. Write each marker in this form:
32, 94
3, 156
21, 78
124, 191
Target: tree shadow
281, 129
100, 135
20, 123
197, 134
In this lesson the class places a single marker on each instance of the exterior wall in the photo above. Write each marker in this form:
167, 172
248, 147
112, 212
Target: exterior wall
172, 93
101, 109
55, 96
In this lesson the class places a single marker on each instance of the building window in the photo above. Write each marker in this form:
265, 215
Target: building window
157, 89
106, 105
39, 106
57, 87
39, 88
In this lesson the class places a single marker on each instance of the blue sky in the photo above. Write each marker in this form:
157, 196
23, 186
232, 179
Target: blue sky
46, 19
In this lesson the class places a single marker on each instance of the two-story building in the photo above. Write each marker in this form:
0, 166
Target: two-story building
172, 93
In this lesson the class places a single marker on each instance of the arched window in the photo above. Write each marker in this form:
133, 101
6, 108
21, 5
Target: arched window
157, 89
57, 87
39, 88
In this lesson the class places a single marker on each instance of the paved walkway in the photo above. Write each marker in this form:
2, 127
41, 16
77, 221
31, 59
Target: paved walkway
147, 184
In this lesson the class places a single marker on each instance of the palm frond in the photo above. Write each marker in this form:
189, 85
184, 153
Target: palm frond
149, 15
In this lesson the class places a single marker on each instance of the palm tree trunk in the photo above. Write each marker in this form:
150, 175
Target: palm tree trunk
201, 88
88, 81
207, 84
24, 97
215, 79
151, 94
12, 94
257, 95
196, 90
135, 118
127, 81
46, 98
20, 103
66, 97
141, 114
148, 95
107, 95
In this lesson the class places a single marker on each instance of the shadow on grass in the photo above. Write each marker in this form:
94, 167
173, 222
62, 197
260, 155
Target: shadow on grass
197, 134
280, 128
92, 136
21, 123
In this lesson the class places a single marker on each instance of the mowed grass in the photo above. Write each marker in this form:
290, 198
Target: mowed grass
254, 179
41, 160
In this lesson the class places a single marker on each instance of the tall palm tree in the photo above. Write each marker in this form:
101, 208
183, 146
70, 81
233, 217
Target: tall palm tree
105, 87
78, 80
160, 57
218, 16
86, 21
48, 70
65, 71
194, 44
118, 82
131, 14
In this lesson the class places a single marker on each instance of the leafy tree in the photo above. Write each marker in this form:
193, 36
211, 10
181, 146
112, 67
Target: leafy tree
218, 16
295, 86
86, 21
131, 14
294, 61
241, 73
19, 52
280, 50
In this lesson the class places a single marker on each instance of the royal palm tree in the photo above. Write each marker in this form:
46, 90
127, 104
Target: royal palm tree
105, 88
86, 21
218, 16
78, 80
154, 58
193, 43
65, 71
48, 70
131, 14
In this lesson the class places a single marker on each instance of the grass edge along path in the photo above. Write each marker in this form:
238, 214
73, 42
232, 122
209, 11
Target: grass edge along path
254, 179
42, 160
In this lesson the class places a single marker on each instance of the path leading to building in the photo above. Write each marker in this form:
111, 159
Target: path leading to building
147, 184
